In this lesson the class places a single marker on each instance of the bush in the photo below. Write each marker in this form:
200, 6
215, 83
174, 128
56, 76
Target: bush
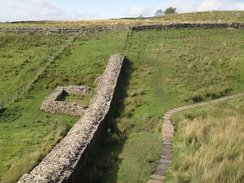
170, 10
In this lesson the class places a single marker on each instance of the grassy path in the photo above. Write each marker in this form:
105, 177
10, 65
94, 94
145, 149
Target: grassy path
168, 131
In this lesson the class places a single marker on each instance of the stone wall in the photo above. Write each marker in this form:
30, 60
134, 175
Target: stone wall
54, 105
71, 30
188, 26
62, 161
22, 29
62, 30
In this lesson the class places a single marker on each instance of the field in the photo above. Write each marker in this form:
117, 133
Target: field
163, 70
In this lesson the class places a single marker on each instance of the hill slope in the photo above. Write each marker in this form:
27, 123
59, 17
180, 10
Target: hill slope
195, 17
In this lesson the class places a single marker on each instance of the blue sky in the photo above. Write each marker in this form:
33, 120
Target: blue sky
17, 10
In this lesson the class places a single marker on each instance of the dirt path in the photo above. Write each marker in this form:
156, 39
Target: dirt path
168, 131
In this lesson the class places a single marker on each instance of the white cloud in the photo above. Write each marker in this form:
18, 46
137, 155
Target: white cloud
215, 5
182, 6
240, 6
30, 10
140, 10
204, 5
40, 8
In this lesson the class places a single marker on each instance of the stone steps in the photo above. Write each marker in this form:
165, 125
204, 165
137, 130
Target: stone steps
156, 178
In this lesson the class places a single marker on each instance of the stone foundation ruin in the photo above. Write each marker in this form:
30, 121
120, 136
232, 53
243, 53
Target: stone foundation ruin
54, 105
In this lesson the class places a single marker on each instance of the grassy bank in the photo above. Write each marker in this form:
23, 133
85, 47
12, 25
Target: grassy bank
209, 144
21, 55
164, 69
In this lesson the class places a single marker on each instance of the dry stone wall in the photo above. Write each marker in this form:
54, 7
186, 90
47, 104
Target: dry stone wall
53, 105
188, 26
62, 161
71, 30
62, 30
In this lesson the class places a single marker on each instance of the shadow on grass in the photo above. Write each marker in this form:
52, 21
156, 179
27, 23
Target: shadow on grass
8, 115
103, 162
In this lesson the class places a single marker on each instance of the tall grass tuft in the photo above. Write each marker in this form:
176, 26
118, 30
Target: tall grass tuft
209, 145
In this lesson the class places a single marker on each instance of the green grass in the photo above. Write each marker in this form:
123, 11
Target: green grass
80, 99
27, 134
21, 55
209, 144
163, 70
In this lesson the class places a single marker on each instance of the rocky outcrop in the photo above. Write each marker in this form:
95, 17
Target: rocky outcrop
63, 160
54, 105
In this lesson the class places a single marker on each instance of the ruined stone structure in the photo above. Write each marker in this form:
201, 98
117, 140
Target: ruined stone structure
54, 105
64, 159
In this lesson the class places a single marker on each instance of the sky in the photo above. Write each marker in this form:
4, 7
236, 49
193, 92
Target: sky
20, 10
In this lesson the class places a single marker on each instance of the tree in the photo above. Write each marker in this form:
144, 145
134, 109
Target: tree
167, 11
170, 10
141, 16
159, 13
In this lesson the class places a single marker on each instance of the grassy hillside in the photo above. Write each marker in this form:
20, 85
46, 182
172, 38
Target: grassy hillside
204, 17
21, 56
209, 144
163, 78
195, 17
164, 69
